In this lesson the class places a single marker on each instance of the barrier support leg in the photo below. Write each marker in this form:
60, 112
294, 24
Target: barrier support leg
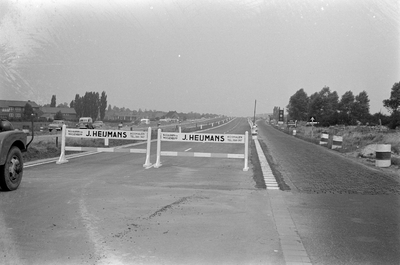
147, 163
158, 162
62, 158
246, 151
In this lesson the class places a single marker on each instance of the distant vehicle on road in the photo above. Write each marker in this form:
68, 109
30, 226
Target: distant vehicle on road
144, 121
98, 124
85, 123
56, 125
254, 130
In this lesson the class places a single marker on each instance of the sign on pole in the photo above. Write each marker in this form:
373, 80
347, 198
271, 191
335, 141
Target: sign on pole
281, 117
313, 121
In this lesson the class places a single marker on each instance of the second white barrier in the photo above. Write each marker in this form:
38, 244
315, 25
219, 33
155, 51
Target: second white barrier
203, 138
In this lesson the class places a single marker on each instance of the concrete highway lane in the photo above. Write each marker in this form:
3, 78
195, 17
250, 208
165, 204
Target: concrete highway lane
344, 212
108, 209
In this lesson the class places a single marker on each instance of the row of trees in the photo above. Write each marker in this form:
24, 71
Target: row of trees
90, 105
392, 104
53, 103
93, 105
349, 110
329, 110
156, 114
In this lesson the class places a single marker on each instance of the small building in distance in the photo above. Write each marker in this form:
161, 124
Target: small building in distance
171, 116
69, 114
113, 115
14, 109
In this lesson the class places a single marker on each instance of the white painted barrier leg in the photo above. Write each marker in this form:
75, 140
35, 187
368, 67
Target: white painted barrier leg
147, 163
158, 163
62, 158
106, 141
246, 151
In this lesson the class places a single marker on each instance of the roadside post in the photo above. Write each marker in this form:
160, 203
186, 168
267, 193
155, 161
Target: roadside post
62, 158
312, 120
246, 151
147, 162
158, 162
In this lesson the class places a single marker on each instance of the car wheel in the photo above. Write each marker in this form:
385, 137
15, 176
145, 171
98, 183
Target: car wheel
11, 171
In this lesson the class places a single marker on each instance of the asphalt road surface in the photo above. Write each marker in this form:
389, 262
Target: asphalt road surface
108, 209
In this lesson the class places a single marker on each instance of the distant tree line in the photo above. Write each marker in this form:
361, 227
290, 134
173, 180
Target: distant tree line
90, 105
392, 104
350, 109
94, 105
328, 109
155, 115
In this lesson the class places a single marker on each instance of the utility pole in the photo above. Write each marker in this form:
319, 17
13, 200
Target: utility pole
255, 104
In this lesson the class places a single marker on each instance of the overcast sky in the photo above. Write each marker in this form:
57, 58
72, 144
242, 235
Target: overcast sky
214, 56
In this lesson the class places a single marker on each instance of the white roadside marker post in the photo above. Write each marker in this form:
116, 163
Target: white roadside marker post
147, 163
246, 151
62, 158
158, 162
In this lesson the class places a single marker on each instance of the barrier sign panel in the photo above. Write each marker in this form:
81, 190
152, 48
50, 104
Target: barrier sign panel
203, 138
111, 134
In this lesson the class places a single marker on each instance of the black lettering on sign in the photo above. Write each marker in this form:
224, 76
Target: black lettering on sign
88, 134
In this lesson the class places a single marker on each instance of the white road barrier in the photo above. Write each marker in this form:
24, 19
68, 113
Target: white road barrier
383, 154
337, 142
324, 139
105, 134
202, 138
